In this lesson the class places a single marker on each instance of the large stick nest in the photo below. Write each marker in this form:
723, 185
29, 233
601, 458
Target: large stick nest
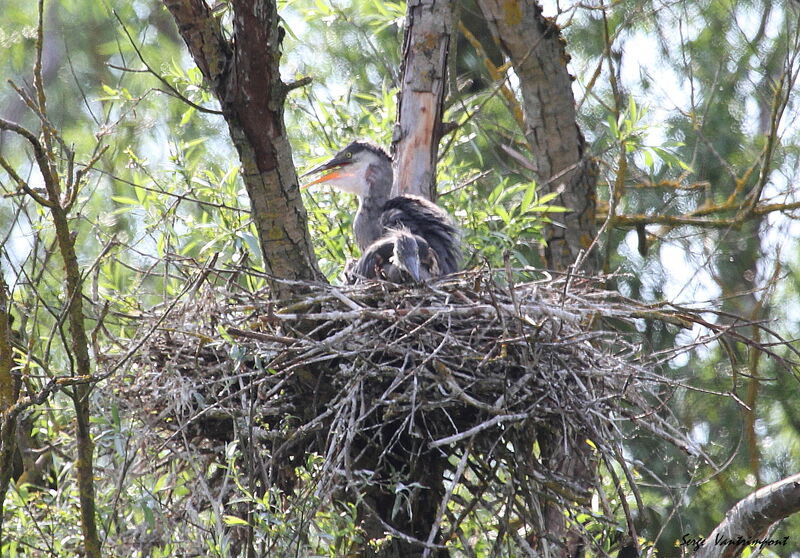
507, 381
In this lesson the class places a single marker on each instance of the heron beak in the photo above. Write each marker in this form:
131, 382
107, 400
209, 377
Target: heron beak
327, 165
325, 177
319, 168
411, 263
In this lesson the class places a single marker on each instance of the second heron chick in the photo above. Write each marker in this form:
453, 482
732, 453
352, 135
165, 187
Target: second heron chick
398, 256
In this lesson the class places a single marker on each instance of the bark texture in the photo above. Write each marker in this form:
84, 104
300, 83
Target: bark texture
7, 398
535, 47
418, 130
7, 391
79, 349
244, 75
750, 519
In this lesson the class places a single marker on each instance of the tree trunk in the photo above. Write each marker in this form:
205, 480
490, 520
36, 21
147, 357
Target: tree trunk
244, 75
429, 25
7, 399
536, 49
79, 349
8, 394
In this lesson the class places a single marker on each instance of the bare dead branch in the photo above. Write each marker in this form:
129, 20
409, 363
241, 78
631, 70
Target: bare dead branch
747, 523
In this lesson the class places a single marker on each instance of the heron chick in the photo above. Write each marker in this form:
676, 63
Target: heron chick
399, 257
366, 171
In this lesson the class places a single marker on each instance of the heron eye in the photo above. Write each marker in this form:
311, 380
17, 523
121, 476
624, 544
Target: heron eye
348, 155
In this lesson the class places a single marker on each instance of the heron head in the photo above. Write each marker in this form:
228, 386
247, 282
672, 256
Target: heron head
353, 169
406, 255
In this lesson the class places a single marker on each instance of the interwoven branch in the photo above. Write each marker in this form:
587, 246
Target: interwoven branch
381, 380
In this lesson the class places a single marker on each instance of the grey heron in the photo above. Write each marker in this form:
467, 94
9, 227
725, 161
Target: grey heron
409, 233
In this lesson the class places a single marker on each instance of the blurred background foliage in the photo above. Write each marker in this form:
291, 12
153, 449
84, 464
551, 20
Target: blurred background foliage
675, 124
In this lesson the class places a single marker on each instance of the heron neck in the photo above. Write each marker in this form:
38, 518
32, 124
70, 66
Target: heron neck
367, 225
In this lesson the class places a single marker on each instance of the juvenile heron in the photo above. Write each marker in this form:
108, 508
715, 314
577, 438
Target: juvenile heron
400, 238
398, 256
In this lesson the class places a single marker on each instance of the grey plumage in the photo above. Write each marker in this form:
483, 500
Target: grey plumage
411, 237
398, 256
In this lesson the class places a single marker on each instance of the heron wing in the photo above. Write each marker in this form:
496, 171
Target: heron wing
427, 220
375, 257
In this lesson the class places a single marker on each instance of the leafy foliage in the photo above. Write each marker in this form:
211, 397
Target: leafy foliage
677, 126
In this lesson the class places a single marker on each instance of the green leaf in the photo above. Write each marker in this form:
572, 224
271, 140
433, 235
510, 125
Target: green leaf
548, 209
115, 415
187, 116
148, 515
233, 520
547, 198
530, 194
161, 483
502, 213
495, 194
647, 155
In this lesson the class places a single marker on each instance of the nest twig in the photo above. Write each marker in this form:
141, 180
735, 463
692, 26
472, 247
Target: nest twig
470, 372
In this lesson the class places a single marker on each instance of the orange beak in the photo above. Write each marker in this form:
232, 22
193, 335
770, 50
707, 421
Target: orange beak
325, 177
335, 165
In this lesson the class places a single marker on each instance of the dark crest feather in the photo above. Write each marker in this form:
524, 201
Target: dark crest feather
358, 146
